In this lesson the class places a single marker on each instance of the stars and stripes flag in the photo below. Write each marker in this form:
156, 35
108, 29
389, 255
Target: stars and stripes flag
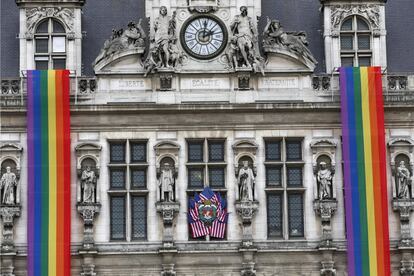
207, 214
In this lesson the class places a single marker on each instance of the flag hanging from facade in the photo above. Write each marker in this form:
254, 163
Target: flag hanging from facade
365, 180
207, 214
48, 139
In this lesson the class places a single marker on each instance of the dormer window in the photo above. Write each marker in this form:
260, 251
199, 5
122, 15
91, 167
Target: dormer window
50, 45
355, 39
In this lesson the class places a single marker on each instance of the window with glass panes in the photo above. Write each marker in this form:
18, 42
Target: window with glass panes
50, 45
206, 166
284, 187
355, 40
128, 189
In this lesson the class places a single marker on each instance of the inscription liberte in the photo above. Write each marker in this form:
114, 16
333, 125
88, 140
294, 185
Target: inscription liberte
131, 84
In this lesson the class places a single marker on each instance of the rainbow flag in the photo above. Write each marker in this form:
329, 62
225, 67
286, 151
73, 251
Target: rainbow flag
48, 139
365, 180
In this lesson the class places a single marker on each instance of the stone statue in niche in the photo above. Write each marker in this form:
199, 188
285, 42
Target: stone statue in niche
295, 42
242, 51
245, 180
166, 183
88, 183
131, 38
164, 52
8, 183
324, 180
403, 181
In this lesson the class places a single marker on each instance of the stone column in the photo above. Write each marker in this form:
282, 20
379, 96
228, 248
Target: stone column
246, 211
8, 213
406, 245
88, 212
326, 208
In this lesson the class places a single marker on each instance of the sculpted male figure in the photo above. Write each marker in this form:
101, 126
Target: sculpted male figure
166, 183
245, 179
324, 178
403, 181
88, 180
243, 31
162, 35
7, 183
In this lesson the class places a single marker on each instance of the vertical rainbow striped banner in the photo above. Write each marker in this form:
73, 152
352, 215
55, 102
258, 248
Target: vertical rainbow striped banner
48, 131
365, 180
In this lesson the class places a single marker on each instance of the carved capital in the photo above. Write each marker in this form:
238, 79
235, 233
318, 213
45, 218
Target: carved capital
404, 206
168, 210
325, 208
247, 210
88, 211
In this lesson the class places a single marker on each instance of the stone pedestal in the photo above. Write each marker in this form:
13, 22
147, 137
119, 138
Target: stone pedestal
88, 212
404, 207
326, 208
7, 214
8, 252
168, 211
246, 211
406, 245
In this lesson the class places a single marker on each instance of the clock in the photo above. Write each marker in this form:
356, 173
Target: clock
204, 36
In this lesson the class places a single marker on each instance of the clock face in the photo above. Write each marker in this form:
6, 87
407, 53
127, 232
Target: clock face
204, 37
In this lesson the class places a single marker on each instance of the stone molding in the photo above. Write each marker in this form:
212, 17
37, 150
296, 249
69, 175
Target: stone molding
88, 212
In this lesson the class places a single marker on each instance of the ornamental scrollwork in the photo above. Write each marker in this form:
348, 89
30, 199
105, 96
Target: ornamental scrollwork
34, 15
369, 11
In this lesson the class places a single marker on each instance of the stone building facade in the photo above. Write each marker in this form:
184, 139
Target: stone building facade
204, 85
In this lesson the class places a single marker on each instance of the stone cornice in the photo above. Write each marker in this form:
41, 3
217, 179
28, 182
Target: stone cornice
50, 2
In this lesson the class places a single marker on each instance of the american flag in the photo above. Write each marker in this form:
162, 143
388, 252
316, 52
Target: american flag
217, 229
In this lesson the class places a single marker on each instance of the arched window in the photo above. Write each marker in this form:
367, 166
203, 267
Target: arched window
50, 45
356, 40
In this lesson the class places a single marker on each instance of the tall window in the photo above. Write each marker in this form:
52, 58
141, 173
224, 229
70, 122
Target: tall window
284, 187
356, 39
128, 189
50, 45
206, 166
